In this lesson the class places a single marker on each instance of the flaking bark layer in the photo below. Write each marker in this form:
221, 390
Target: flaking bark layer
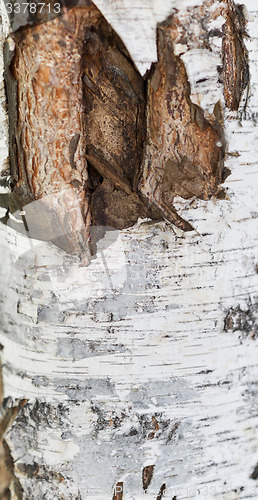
47, 129
234, 55
99, 144
114, 113
184, 150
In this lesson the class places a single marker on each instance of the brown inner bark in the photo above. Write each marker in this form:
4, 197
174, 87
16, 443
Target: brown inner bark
99, 144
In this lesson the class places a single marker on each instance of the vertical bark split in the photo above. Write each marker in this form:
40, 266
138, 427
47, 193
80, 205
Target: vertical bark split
147, 474
185, 151
114, 109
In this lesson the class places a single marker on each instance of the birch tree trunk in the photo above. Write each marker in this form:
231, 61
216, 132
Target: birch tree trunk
136, 377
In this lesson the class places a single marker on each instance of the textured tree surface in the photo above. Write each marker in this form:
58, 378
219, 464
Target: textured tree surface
114, 108
99, 144
47, 139
185, 151
234, 55
135, 377
76, 115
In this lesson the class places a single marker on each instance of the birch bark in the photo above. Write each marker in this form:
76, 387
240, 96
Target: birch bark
136, 377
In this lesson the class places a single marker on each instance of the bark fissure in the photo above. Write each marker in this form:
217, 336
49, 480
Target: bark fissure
86, 104
147, 474
234, 56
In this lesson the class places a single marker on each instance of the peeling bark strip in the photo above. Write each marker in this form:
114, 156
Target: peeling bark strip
61, 123
47, 136
185, 151
114, 105
77, 128
234, 55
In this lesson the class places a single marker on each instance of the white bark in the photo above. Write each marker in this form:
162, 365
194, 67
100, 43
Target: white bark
149, 355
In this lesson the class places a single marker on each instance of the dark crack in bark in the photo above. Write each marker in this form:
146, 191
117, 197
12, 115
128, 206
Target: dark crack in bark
147, 475
161, 492
87, 139
254, 474
236, 73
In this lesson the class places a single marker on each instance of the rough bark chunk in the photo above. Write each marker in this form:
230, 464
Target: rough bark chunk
47, 130
87, 140
114, 100
184, 150
75, 95
147, 475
